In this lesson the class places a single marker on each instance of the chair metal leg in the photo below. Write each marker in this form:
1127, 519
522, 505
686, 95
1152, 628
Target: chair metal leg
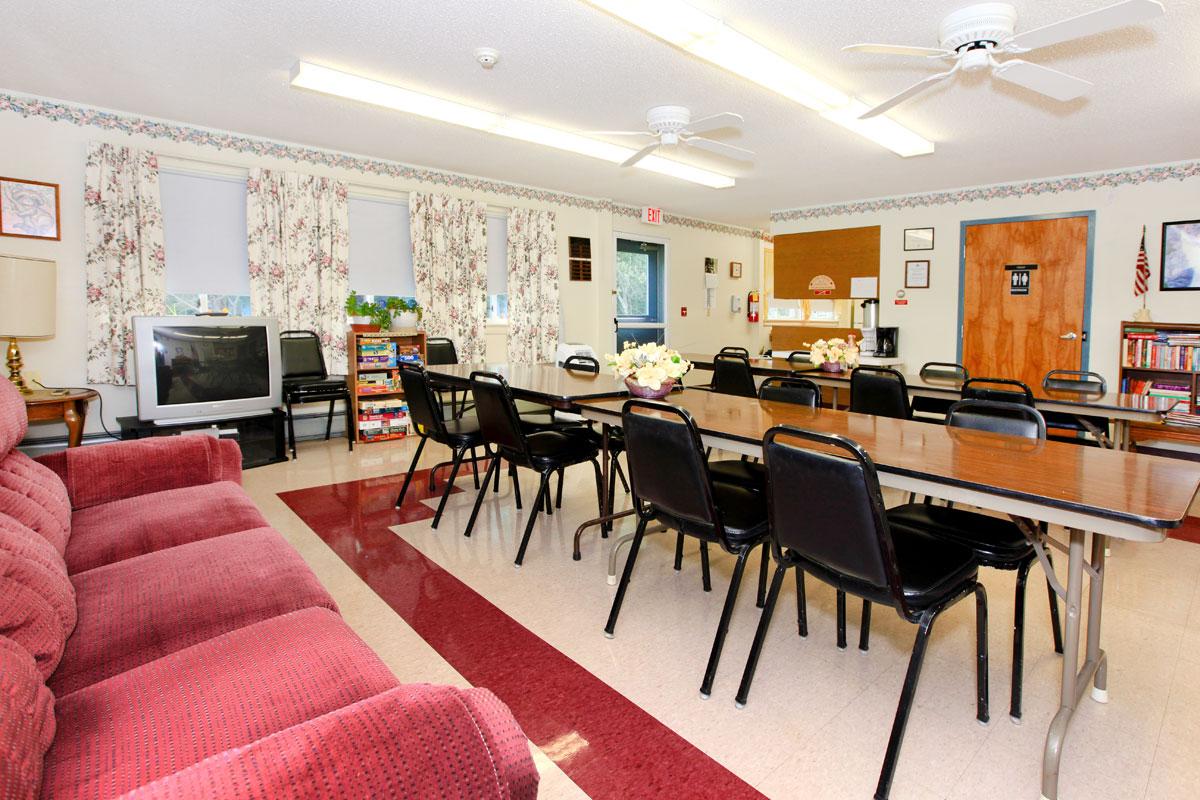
475, 467
458, 457
762, 575
903, 708
801, 604
606, 527
760, 636
558, 496
349, 406
678, 552
841, 620
864, 627
705, 578
1055, 622
547, 501
542, 496
496, 480
599, 485
329, 421
493, 467
411, 469
710, 672
626, 574
516, 482
291, 429
620, 474
1018, 645
982, 712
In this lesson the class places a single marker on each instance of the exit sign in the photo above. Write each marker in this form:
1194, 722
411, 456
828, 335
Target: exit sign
651, 215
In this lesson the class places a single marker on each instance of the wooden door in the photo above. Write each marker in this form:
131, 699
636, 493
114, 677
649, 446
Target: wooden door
1011, 334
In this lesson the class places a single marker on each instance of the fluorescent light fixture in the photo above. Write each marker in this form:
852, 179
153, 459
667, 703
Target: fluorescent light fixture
707, 37
367, 90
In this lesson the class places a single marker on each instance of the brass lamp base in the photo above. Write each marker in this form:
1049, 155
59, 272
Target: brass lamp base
14, 367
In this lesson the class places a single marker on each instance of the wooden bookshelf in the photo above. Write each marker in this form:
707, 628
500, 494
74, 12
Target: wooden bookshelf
1156, 364
375, 378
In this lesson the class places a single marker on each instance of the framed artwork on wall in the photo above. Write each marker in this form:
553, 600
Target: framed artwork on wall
735, 269
1180, 268
29, 209
916, 274
918, 238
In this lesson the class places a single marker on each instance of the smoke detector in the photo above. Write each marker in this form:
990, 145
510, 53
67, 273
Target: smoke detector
487, 57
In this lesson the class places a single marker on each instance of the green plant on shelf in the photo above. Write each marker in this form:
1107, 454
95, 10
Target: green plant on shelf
381, 314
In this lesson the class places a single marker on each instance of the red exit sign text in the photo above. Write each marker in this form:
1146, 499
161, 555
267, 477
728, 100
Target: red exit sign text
651, 215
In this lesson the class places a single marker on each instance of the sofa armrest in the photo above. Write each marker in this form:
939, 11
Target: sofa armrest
103, 473
416, 740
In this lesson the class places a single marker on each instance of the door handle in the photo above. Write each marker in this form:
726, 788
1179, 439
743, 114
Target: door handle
1070, 336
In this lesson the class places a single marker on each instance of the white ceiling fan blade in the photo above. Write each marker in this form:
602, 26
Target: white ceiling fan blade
1129, 12
618, 133
640, 154
911, 91
724, 118
714, 145
897, 50
1042, 80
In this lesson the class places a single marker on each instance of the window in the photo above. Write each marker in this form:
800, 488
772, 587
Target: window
832, 312
639, 272
204, 237
380, 248
497, 269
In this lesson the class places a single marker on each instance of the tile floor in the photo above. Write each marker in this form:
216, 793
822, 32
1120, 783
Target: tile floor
817, 720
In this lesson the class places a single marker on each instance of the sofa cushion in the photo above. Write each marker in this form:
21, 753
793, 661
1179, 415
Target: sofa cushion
143, 608
14, 421
26, 722
135, 526
37, 600
33, 495
166, 715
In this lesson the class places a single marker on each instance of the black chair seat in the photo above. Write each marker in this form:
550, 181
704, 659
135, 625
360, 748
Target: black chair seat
747, 474
546, 447
463, 432
930, 566
1072, 422
996, 541
742, 512
933, 405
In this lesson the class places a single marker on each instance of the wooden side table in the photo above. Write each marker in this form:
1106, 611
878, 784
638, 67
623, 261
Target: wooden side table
71, 408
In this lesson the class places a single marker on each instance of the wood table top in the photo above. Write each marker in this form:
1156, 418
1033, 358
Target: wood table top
41, 397
1143, 490
545, 383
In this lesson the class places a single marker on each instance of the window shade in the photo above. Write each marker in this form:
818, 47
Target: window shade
497, 254
381, 260
204, 233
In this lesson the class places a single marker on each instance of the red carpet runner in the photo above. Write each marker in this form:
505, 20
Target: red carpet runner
609, 746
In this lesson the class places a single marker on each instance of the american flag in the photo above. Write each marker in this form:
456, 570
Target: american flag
1141, 277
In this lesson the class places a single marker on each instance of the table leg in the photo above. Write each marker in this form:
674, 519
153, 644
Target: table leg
74, 415
606, 517
616, 549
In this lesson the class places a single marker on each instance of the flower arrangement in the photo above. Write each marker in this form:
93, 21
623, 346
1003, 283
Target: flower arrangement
649, 370
833, 355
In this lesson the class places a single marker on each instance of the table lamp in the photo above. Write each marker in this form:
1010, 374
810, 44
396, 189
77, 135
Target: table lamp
28, 298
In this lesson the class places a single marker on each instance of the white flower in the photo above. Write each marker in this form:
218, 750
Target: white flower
650, 365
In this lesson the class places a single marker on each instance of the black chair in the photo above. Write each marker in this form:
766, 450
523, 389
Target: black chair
800, 357
879, 391
938, 370
671, 484
544, 452
853, 543
737, 351
305, 380
732, 375
1083, 384
425, 412
1002, 390
996, 542
781, 389
440, 350
616, 439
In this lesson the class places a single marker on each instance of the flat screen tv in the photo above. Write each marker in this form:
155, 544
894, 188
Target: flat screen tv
192, 369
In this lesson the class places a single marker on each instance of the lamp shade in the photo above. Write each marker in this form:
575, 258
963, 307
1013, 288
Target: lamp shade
28, 296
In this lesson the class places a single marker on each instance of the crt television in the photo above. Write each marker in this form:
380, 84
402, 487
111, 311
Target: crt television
192, 369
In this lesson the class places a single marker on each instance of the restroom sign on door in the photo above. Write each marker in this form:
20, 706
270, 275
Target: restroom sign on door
1020, 276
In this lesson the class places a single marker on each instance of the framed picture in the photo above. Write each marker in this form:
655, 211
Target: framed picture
710, 266
1180, 268
918, 238
916, 274
735, 269
29, 209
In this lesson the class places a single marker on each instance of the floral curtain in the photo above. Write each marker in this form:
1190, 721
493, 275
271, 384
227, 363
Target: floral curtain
124, 262
449, 241
299, 249
533, 306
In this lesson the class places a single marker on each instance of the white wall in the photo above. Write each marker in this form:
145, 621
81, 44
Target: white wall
928, 324
53, 151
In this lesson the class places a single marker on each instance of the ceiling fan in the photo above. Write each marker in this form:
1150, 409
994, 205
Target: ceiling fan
974, 36
673, 125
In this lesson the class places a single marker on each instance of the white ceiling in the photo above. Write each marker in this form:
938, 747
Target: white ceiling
224, 64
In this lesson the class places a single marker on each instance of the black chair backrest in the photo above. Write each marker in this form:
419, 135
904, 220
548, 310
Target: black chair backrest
732, 375
497, 415
440, 350
880, 391
1013, 419
799, 356
423, 406
667, 468
845, 534
989, 389
737, 351
947, 370
800, 391
300, 352
583, 364
1073, 380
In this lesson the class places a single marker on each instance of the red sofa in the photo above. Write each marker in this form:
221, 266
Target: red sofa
159, 639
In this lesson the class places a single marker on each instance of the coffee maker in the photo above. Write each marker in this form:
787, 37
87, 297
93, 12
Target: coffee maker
887, 342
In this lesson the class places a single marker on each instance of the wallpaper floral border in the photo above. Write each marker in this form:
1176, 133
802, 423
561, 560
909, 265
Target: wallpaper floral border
1069, 183
57, 111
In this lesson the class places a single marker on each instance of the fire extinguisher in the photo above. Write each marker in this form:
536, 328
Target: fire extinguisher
752, 306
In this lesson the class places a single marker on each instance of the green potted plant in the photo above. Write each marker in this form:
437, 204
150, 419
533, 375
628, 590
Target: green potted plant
361, 314
404, 314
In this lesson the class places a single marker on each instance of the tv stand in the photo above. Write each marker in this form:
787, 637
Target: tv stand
260, 437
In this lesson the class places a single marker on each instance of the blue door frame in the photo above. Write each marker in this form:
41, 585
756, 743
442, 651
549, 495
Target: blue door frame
1087, 281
